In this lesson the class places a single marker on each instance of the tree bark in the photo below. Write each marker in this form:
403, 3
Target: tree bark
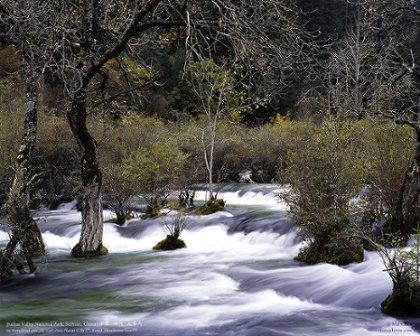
407, 214
24, 229
90, 243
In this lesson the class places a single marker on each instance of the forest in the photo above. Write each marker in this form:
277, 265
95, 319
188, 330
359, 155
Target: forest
280, 139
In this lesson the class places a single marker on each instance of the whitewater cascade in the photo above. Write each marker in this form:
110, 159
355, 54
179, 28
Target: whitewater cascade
237, 276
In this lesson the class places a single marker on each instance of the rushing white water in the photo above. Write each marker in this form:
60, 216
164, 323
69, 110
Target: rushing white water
252, 196
236, 277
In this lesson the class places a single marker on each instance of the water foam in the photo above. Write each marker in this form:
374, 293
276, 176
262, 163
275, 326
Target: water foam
4, 237
248, 198
215, 240
212, 314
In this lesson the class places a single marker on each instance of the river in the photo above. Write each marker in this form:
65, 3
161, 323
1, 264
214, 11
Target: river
236, 277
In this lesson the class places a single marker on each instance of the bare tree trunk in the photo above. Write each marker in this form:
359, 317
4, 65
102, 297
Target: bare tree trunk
90, 243
208, 159
24, 229
210, 170
407, 214
211, 154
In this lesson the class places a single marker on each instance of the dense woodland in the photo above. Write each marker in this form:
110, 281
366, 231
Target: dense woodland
105, 101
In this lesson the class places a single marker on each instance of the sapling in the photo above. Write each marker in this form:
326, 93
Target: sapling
175, 225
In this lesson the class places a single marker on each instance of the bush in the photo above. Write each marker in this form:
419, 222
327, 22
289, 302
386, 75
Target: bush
157, 170
269, 146
325, 171
389, 153
11, 125
403, 266
56, 160
139, 155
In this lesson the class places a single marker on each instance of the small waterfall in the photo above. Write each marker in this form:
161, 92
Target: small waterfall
237, 276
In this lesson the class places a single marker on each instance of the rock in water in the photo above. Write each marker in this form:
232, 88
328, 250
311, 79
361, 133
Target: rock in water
170, 243
403, 302
312, 255
210, 207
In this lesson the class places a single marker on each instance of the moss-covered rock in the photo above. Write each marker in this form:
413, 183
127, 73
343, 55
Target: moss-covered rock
120, 220
77, 251
213, 205
170, 243
403, 302
313, 255
176, 205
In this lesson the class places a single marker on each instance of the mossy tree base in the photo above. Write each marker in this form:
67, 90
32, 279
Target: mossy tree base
78, 252
212, 206
5, 269
403, 302
170, 243
5, 273
7, 265
146, 215
154, 207
313, 255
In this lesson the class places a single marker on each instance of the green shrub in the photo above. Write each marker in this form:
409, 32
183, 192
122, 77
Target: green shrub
403, 266
57, 160
11, 125
325, 171
157, 169
389, 153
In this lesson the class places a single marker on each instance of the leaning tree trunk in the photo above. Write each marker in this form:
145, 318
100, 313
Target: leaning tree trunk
90, 243
407, 214
24, 230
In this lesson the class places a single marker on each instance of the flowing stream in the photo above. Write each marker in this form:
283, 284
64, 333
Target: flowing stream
237, 277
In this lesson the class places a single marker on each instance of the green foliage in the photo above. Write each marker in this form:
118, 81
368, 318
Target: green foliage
206, 88
142, 155
413, 257
403, 266
325, 173
215, 87
389, 153
402, 263
11, 126
9, 61
269, 147
182, 101
394, 240
56, 160
116, 140
157, 169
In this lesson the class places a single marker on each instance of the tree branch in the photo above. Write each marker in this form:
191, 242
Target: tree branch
106, 100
